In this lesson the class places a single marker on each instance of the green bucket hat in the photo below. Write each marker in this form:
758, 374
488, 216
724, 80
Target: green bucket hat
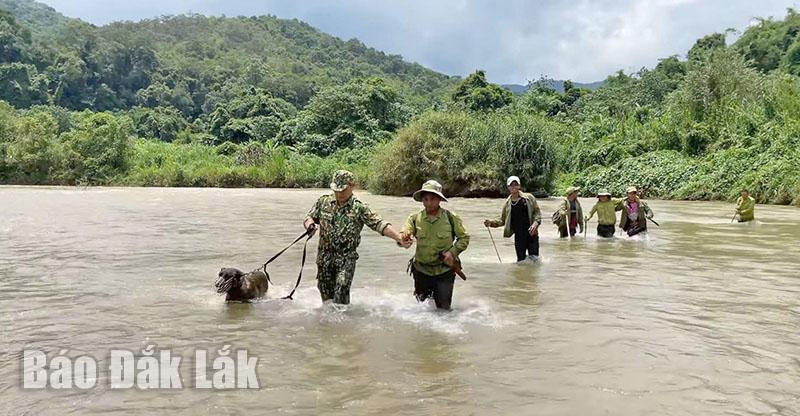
571, 189
341, 179
604, 192
430, 186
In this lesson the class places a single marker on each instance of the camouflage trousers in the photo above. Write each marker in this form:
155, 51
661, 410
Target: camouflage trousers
334, 276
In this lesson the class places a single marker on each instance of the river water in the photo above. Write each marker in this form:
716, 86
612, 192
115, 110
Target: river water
700, 317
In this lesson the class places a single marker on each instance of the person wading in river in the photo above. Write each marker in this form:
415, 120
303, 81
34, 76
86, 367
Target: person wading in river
521, 218
570, 214
341, 216
605, 208
635, 212
441, 237
745, 207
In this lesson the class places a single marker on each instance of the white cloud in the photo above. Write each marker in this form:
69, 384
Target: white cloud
513, 40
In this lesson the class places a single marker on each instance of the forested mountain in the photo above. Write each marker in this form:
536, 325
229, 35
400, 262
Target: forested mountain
259, 101
187, 62
37, 17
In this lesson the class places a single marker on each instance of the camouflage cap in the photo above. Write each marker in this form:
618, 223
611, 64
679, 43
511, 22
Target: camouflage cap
341, 178
432, 187
571, 190
604, 192
631, 189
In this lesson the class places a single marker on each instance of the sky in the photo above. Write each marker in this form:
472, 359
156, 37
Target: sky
514, 41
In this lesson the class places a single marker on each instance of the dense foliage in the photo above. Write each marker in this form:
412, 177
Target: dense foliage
259, 101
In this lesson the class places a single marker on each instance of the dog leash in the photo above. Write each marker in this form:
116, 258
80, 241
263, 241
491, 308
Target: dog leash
308, 233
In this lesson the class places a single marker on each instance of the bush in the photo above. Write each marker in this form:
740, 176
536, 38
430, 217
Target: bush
469, 154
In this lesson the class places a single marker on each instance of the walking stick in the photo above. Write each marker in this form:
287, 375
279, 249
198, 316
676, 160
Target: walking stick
495, 245
654, 221
734, 216
585, 227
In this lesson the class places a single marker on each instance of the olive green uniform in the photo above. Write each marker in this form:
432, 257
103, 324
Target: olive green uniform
606, 216
444, 232
339, 237
746, 209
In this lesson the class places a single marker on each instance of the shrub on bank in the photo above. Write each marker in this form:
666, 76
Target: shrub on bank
469, 154
251, 164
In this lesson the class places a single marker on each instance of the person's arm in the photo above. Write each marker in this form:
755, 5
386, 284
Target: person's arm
312, 218
647, 210
461, 241
498, 222
739, 203
537, 218
562, 210
537, 213
390, 232
591, 213
374, 221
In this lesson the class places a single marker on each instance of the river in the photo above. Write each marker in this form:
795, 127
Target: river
699, 317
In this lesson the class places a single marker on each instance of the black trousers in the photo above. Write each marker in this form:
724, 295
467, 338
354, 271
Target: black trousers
567, 233
524, 242
633, 229
440, 288
605, 231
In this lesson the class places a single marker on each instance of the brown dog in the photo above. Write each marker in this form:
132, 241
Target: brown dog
242, 287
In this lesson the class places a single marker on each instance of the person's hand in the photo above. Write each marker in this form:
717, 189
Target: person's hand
405, 240
448, 259
311, 229
534, 229
487, 223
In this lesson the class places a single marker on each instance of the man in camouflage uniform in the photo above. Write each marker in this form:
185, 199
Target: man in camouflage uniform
341, 216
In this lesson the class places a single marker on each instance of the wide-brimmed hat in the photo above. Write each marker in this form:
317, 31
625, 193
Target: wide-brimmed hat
512, 179
604, 192
571, 189
341, 178
430, 186
631, 189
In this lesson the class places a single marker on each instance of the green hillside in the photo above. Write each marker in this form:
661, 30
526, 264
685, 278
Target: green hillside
259, 101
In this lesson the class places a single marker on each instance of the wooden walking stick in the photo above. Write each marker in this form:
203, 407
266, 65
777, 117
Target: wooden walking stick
495, 245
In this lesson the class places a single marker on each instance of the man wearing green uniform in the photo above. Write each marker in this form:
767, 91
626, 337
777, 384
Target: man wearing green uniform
441, 237
341, 217
746, 207
606, 209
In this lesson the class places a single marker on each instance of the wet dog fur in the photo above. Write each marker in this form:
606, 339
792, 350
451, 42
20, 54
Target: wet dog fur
241, 287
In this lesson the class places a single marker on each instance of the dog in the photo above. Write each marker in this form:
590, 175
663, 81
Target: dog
240, 286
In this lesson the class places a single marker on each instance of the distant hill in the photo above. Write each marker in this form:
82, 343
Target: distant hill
555, 84
181, 61
37, 17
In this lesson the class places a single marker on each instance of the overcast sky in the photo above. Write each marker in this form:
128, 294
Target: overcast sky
513, 40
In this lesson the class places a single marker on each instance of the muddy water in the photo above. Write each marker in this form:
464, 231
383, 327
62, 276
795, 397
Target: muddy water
701, 316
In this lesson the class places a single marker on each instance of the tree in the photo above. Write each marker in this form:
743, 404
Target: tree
476, 94
355, 115
13, 39
705, 46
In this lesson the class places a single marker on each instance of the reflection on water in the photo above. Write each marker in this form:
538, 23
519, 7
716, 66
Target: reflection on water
700, 316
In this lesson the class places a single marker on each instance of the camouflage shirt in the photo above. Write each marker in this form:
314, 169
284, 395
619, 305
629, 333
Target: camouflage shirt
340, 226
